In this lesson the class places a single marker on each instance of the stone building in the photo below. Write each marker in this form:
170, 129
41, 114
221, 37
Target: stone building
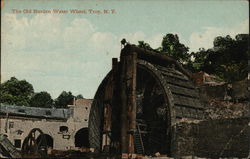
63, 129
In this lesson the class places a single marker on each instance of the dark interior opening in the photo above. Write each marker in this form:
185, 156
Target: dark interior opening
45, 140
48, 112
21, 110
63, 129
152, 125
17, 143
82, 138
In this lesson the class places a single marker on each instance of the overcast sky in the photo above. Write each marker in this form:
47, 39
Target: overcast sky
73, 52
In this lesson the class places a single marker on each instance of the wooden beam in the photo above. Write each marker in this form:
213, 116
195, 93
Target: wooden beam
156, 58
108, 95
128, 100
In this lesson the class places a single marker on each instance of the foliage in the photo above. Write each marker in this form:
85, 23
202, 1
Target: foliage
79, 96
21, 93
172, 47
41, 99
144, 45
227, 59
64, 99
16, 92
199, 60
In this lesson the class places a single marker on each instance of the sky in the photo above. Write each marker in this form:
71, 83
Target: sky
67, 51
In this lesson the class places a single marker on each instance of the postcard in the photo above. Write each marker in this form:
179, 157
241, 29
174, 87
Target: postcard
124, 79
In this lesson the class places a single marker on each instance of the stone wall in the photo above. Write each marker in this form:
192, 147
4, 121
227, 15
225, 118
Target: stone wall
18, 127
236, 91
226, 101
213, 138
240, 90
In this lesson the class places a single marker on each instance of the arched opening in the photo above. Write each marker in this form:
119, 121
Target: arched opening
82, 138
32, 145
153, 116
45, 140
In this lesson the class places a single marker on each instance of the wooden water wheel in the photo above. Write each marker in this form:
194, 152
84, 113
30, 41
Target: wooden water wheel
138, 103
35, 143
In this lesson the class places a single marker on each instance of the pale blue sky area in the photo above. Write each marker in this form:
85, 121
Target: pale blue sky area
73, 52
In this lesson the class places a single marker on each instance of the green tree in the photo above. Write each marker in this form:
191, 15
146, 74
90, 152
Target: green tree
223, 42
144, 45
41, 99
64, 99
172, 47
16, 92
199, 59
79, 96
227, 59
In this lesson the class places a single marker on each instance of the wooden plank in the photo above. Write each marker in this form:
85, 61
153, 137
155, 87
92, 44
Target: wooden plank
186, 101
173, 76
180, 83
184, 91
156, 58
172, 73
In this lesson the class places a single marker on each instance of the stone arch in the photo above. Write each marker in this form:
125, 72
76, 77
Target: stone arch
37, 142
48, 139
82, 138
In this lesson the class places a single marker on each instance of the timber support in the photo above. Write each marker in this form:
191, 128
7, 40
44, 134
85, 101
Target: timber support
128, 100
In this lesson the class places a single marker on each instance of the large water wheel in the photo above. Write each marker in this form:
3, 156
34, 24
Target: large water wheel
35, 143
138, 103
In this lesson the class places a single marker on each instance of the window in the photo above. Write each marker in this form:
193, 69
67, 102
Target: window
19, 132
63, 129
11, 124
48, 112
21, 110
17, 143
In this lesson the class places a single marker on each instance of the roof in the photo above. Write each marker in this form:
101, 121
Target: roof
35, 112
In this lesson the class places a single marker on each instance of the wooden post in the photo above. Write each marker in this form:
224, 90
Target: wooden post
108, 107
128, 100
123, 100
131, 87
